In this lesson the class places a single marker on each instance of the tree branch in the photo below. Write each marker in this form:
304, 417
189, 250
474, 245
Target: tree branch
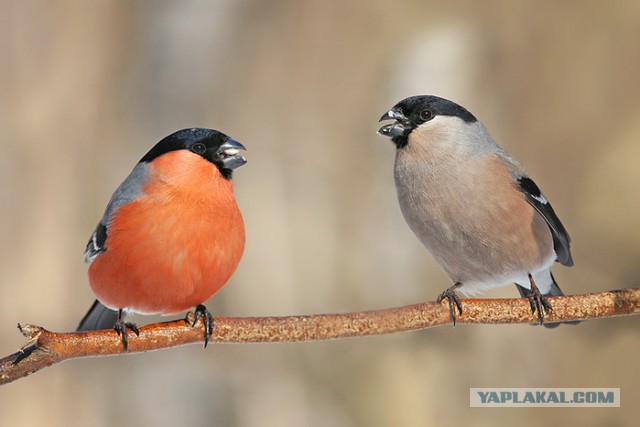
46, 348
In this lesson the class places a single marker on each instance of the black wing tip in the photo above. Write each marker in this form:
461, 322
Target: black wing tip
96, 243
561, 238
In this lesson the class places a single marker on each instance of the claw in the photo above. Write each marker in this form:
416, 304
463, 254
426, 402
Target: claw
537, 301
201, 312
453, 300
121, 328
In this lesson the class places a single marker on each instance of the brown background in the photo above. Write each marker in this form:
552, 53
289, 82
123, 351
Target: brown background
88, 87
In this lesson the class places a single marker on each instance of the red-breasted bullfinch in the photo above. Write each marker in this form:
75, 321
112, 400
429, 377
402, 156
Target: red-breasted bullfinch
172, 234
472, 205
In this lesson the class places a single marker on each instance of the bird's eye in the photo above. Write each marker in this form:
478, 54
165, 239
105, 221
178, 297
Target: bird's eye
199, 148
426, 115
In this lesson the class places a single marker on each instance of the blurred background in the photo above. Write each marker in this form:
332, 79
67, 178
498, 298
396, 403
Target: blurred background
88, 87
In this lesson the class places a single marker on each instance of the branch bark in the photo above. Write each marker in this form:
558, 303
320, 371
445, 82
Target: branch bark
46, 348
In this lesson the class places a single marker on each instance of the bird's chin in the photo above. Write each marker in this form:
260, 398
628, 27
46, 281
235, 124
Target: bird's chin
392, 130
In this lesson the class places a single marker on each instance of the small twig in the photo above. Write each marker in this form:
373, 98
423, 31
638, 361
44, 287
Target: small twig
46, 348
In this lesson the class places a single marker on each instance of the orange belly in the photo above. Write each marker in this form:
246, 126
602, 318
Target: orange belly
170, 252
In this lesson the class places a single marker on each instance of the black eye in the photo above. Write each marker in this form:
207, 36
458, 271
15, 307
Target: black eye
199, 148
426, 115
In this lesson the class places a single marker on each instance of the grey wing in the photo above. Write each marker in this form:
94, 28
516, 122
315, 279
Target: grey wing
561, 239
95, 246
130, 189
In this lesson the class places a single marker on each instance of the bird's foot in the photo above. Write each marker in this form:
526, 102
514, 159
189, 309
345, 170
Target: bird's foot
537, 301
121, 328
454, 301
201, 312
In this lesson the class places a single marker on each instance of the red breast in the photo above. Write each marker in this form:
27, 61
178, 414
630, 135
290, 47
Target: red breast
176, 245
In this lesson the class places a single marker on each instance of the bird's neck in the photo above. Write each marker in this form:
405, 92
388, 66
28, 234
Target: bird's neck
192, 176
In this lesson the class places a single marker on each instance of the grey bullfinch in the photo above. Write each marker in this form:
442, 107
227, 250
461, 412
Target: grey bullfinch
472, 205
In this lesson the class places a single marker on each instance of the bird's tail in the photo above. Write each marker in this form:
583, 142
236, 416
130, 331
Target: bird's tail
98, 317
555, 291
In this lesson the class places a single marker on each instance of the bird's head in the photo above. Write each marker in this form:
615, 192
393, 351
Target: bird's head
209, 144
422, 112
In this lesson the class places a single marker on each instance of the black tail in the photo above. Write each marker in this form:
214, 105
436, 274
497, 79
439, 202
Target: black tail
555, 291
98, 317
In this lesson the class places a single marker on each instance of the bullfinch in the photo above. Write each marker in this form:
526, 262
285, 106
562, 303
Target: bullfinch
171, 236
472, 205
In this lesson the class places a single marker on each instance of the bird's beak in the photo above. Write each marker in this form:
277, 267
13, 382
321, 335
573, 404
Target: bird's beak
393, 114
394, 129
228, 153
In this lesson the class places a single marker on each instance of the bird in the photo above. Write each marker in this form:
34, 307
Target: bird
472, 204
171, 235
